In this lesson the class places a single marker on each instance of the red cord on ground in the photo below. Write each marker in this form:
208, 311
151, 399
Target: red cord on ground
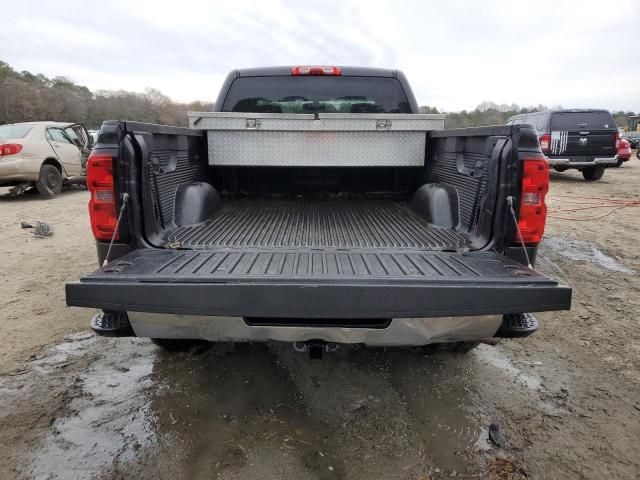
614, 204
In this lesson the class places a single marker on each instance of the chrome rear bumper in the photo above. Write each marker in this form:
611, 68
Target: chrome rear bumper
400, 332
566, 162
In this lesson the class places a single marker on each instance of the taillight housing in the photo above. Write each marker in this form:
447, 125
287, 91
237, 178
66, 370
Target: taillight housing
545, 142
315, 70
10, 149
533, 210
102, 206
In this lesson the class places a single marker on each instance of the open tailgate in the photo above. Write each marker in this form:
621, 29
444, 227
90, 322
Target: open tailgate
317, 284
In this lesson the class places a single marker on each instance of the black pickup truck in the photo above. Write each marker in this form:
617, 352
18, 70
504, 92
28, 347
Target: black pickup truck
582, 139
315, 206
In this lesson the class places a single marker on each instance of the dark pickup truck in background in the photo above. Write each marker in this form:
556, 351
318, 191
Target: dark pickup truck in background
317, 208
582, 139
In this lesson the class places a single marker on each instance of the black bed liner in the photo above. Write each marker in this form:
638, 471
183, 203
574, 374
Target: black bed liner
358, 283
359, 223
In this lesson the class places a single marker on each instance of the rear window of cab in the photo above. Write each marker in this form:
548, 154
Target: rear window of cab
313, 94
13, 132
583, 121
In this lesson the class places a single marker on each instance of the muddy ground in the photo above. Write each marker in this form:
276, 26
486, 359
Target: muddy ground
567, 399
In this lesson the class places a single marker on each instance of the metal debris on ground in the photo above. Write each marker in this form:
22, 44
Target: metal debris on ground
19, 189
25, 225
43, 230
495, 435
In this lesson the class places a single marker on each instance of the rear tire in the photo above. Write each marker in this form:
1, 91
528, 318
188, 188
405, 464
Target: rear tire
619, 163
179, 344
50, 181
593, 173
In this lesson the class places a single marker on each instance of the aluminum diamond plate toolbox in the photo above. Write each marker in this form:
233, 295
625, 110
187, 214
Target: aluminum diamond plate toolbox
323, 140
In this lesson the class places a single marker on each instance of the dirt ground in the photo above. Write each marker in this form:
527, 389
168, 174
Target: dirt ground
567, 400
34, 270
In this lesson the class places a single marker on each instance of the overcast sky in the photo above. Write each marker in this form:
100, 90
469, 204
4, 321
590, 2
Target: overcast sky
456, 54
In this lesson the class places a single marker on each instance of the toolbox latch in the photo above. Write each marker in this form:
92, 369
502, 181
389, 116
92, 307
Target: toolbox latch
383, 124
253, 123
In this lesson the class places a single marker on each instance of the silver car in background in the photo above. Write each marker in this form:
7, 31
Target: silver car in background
45, 155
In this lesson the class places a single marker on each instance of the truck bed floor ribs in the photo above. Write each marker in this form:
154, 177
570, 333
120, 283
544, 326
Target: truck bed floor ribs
317, 224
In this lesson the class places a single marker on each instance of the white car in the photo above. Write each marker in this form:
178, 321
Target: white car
94, 135
43, 154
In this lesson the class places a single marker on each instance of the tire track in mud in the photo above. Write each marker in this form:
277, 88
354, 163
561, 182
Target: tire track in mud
370, 427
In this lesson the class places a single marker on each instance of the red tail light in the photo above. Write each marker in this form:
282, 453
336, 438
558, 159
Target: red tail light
10, 149
315, 70
533, 210
545, 142
102, 206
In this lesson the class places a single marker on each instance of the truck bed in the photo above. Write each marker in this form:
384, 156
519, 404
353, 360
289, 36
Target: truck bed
324, 223
317, 242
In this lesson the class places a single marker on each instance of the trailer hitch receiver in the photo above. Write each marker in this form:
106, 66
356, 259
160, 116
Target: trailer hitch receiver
315, 348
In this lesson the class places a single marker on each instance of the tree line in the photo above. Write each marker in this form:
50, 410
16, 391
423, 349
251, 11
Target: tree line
25, 97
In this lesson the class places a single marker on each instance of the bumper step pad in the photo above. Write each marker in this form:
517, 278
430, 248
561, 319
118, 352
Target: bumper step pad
111, 324
517, 325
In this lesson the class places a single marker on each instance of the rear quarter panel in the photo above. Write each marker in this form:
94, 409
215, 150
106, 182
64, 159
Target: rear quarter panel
25, 166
